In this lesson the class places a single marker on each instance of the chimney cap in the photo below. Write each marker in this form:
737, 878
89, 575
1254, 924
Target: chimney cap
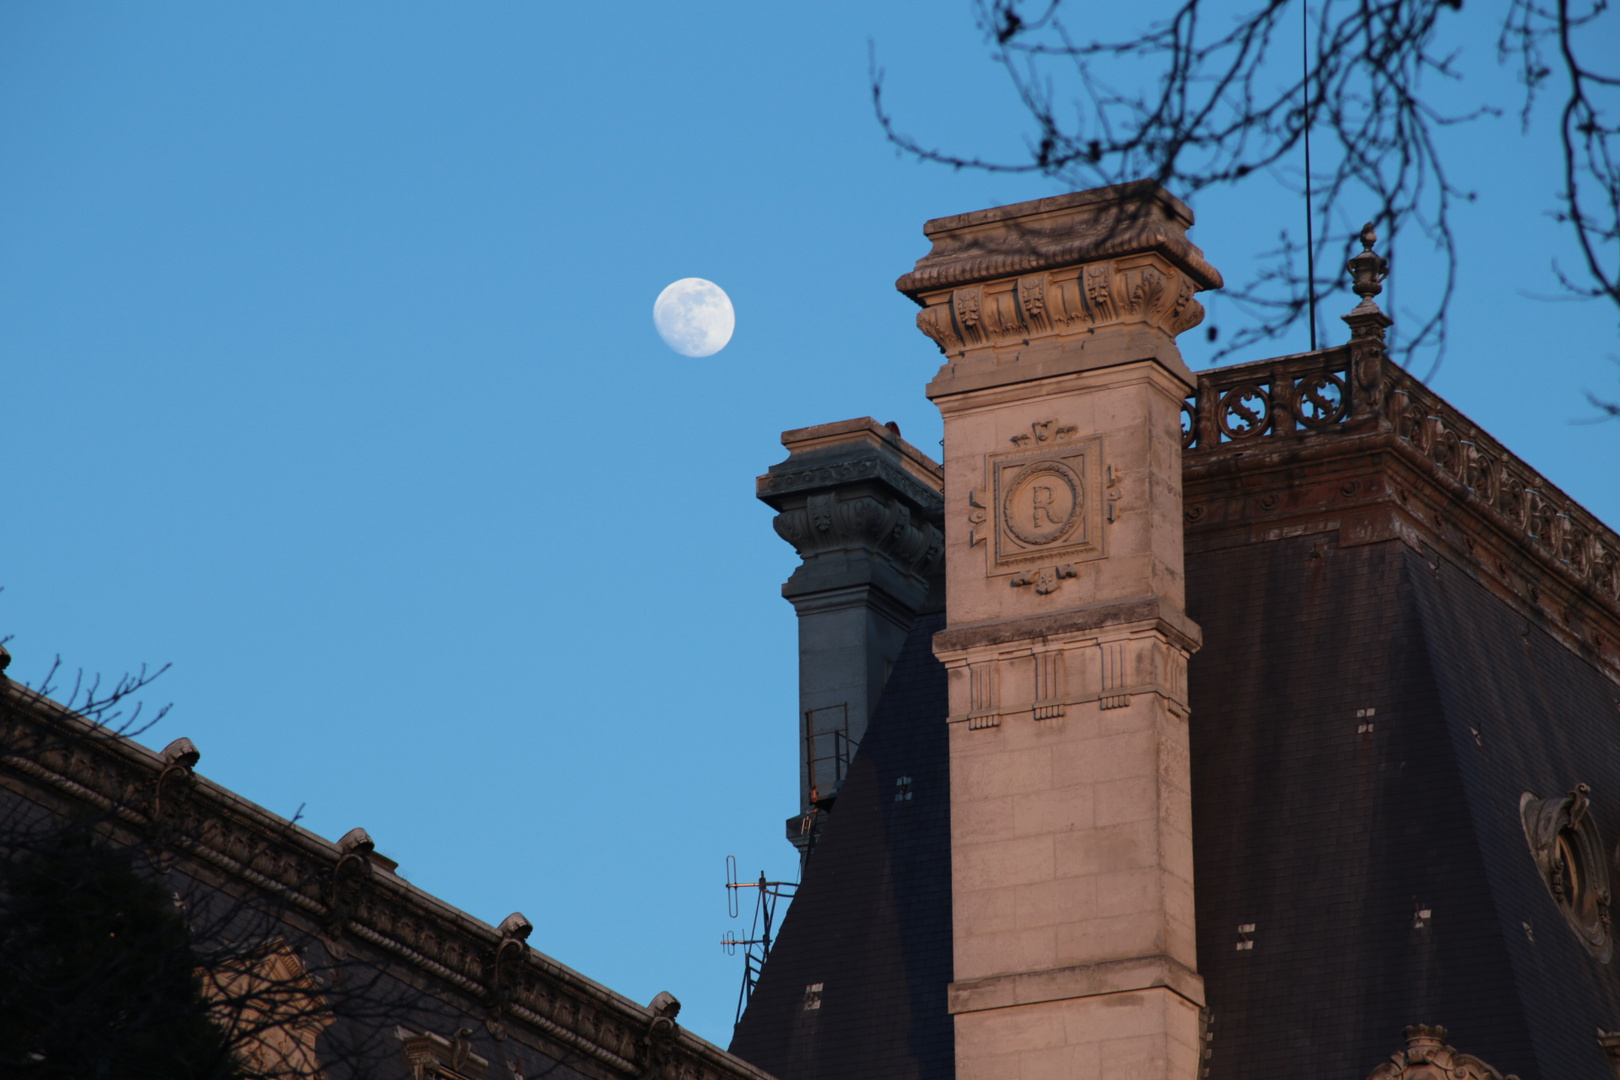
1061, 230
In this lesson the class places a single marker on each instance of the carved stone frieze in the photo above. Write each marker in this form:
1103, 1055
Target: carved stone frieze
1061, 304
1044, 274
835, 474
828, 521
1044, 682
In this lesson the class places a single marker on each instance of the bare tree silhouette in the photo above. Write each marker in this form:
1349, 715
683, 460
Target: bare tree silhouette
1231, 94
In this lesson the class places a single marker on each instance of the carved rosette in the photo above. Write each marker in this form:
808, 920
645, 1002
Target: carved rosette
1058, 304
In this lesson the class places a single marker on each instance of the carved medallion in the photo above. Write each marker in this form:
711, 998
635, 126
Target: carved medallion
1568, 851
1043, 503
1047, 500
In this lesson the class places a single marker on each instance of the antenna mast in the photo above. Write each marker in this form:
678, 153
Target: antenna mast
1305, 121
757, 945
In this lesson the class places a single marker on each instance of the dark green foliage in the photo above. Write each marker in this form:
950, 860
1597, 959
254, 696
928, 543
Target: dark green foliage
97, 974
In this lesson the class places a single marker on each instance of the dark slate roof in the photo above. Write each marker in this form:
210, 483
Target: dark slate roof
1330, 837
1545, 720
872, 919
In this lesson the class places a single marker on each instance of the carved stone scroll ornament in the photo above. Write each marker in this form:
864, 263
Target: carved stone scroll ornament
827, 522
342, 889
658, 1044
1046, 579
1567, 849
1427, 1057
505, 961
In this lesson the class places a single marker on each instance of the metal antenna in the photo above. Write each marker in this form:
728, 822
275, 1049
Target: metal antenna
1305, 119
757, 945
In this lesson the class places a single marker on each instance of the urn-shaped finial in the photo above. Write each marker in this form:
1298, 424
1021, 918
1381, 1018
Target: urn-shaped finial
1368, 269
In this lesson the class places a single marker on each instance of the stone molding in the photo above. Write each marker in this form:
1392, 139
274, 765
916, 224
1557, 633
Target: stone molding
458, 955
1081, 226
1427, 1056
1038, 282
1042, 681
1141, 612
1085, 980
775, 485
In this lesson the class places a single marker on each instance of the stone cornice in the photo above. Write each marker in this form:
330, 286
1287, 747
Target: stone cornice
446, 947
1076, 282
847, 452
1146, 611
1085, 980
1064, 230
774, 484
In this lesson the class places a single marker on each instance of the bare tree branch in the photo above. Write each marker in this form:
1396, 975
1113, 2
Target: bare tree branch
1226, 98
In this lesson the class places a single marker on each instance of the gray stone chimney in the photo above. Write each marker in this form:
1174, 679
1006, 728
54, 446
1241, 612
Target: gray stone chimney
862, 507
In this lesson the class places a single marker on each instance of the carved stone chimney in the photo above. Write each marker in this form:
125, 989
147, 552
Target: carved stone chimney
862, 507
1066, 641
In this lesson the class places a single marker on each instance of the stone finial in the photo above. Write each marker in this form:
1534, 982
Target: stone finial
1368, 270
515, 926
1367, 321
1078, 281
665, 1004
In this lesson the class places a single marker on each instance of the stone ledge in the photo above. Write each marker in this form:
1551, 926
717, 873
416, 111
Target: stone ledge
1081, 981
1172, 622
847, 452
1061, 230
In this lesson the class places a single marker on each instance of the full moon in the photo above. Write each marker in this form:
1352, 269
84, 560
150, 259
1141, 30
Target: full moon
694, 317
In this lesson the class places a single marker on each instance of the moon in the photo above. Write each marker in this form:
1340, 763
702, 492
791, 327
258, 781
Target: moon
694, 317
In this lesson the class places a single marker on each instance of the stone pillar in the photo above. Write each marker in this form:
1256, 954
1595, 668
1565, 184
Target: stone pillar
1066, 640
862, 508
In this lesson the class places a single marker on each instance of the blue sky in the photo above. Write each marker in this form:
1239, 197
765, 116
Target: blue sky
331, 378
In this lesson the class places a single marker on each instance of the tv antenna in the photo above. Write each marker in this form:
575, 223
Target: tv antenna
1305, 121
757, 945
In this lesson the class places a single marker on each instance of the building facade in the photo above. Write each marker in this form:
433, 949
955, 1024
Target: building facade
1268, 725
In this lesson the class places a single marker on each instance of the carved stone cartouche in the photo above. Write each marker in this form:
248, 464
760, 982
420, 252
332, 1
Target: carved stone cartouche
1427, 1057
